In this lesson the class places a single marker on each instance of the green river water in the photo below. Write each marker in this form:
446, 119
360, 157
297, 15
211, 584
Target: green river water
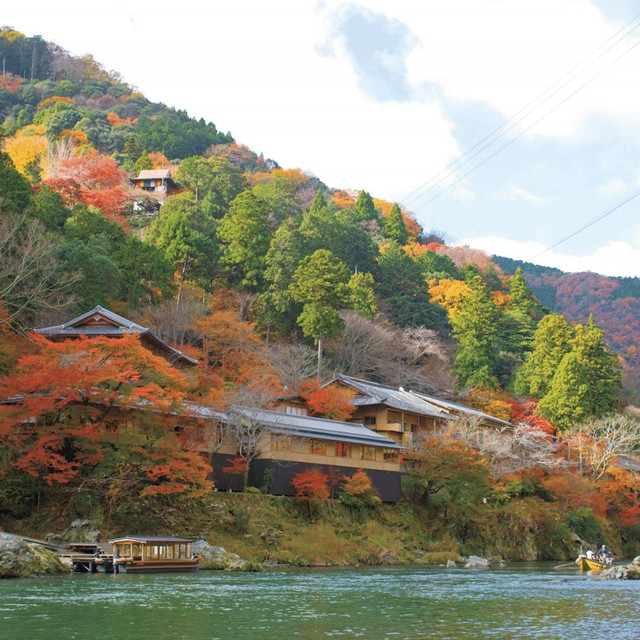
523, 601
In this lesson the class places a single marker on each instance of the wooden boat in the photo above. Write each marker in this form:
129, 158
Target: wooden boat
149, 554
588, 564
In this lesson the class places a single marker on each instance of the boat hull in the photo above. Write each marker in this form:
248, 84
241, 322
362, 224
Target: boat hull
157, 566
584, 564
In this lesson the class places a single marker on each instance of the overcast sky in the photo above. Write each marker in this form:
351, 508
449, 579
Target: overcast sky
384, 96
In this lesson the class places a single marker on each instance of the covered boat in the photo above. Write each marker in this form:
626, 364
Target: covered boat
151, 554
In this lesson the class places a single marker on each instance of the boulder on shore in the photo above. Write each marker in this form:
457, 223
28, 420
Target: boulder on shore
476, 562
623, 572
20, 559
219, 558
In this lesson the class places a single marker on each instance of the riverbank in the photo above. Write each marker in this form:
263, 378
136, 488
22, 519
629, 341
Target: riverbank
272, 530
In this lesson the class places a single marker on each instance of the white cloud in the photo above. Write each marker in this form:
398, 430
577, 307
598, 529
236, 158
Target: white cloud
514, 194
613, 187
614, 258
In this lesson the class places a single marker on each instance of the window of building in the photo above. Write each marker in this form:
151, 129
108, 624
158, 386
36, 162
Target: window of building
318, 447
391, 455
295, 411
369, 421
394, 416
343, 450
367, 453
281, 443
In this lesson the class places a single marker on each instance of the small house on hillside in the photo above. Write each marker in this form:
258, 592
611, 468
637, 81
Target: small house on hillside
102, 322
158, 185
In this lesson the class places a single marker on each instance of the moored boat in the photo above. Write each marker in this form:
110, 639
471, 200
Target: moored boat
152, 554
590, 564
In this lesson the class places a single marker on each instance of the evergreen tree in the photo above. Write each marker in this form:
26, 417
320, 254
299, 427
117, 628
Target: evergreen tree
587, 383
394, 227
475, 327
551, 341
364, 207
362, 296
320, 285
245, 235
15, 190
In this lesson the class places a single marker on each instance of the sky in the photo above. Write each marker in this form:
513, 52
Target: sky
509, 126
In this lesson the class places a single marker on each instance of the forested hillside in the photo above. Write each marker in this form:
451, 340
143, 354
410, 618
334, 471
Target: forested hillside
273, 281
613, 302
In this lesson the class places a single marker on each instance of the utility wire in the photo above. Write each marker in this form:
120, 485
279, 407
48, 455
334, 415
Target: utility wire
424, 204
536, 103
586, 225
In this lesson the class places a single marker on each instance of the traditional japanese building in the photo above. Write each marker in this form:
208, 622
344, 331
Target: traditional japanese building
102, 322
286, 444
158, 185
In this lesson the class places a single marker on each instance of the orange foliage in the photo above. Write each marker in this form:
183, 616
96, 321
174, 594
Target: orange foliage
525, 412
115, 120
75, 392
621, 491
10, 83
311, 484
571, 491
295, 176
172, 470
501, 299
332, 402
343, 199
75, 135
158, 160
358, 484
495, 403
230, 347
236, 466
91, 179
47, 102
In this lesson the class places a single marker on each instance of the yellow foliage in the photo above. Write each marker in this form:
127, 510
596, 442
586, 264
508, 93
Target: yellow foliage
449, 294
27, 149
294, 176
47, 102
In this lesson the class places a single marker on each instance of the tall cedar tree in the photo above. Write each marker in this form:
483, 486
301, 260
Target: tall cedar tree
394, 227
475, 328
320, 285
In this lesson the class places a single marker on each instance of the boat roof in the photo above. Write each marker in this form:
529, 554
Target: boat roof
150, 539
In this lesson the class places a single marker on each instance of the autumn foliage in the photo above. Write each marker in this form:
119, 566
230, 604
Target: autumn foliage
332, 402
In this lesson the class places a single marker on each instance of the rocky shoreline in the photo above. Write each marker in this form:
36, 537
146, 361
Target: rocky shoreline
623, 572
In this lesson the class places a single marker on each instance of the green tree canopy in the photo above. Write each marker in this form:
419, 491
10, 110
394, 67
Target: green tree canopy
394, 227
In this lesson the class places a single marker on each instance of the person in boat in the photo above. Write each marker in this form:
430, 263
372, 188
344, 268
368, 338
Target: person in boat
589, 554
604, 553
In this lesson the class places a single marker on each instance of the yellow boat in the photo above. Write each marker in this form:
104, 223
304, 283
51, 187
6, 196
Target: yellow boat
587, 564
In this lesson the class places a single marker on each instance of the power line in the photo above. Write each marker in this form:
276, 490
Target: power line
525, 130
536, 103
586, 225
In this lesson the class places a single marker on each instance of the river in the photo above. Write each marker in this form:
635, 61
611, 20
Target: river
395, 603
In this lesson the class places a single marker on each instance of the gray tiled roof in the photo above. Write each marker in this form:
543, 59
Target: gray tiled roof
122, 326
462, 408
373, 393
303, 426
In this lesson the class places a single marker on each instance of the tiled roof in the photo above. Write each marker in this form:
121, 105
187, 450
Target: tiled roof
303, 426
117, 325
153, 174
462, 408
373, 393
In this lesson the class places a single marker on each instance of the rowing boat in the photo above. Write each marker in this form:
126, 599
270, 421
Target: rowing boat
588, 564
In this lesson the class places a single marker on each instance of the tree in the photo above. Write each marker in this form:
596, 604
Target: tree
331, 402
188, 238
587, 382
394, 227
358, 492
551, 342
245, 236
475, 329
31, 276
600, 442
79, 395
320, 285
362, 295
15, 190
364, 208
311, 487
